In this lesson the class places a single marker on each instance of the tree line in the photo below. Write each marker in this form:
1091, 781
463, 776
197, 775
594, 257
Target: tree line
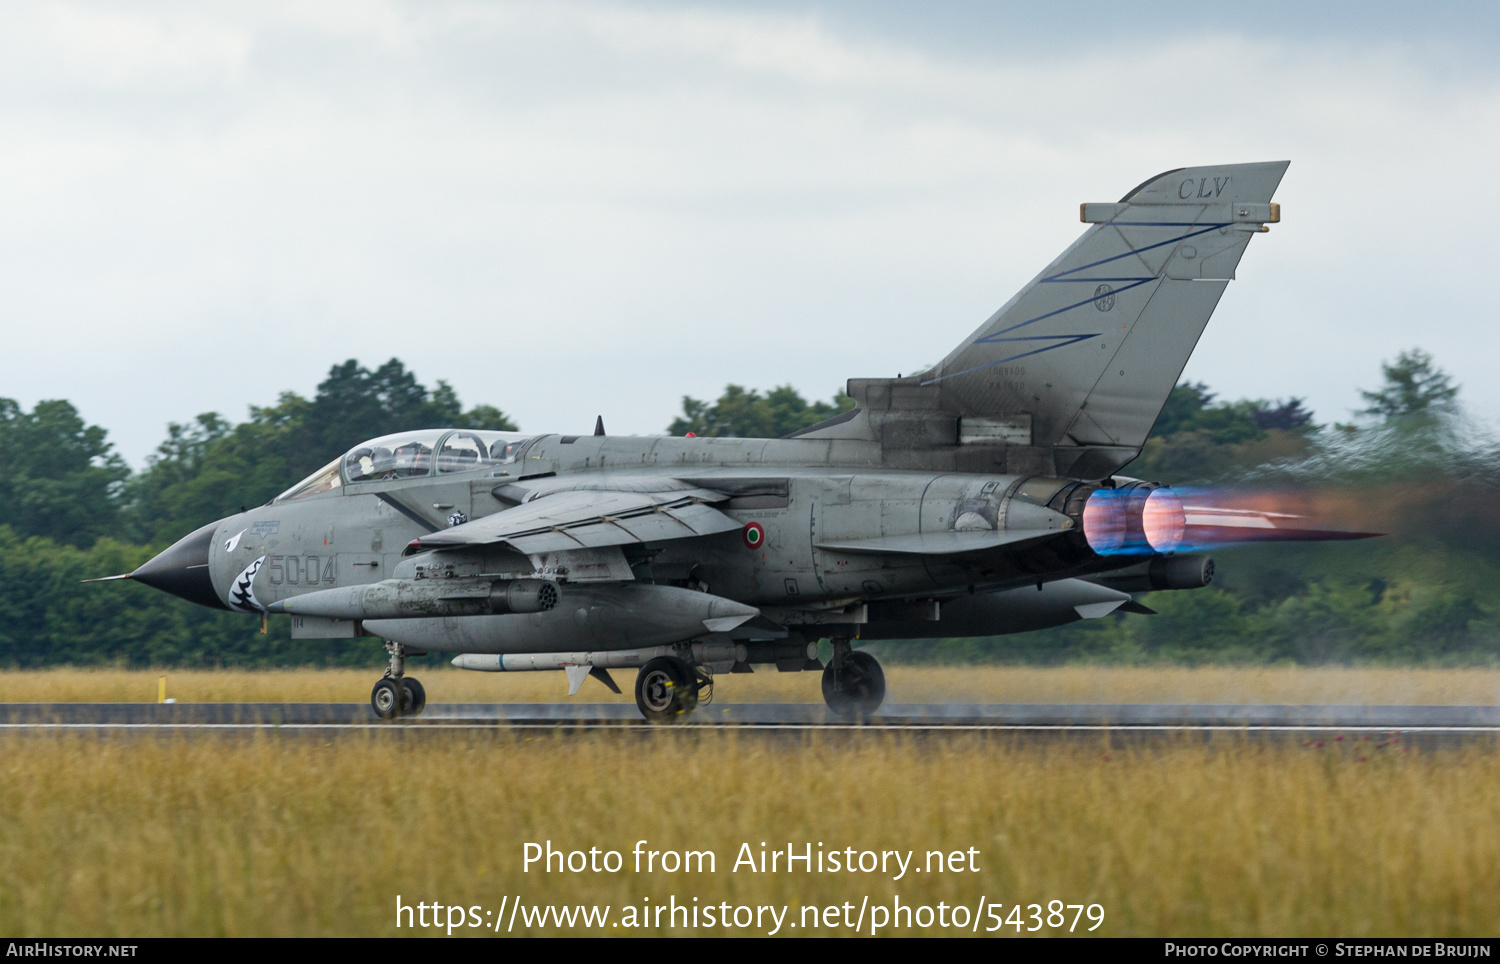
70, 508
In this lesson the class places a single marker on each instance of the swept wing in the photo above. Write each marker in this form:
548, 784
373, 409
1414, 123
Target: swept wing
591, 519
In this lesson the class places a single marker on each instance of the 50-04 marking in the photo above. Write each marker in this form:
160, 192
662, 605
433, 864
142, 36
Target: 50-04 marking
301, 570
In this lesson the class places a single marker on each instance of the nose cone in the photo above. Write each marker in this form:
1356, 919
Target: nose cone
182, 569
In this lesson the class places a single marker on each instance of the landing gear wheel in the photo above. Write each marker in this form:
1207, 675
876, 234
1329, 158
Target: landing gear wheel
665, 689
413, 697
854, 686
386, 698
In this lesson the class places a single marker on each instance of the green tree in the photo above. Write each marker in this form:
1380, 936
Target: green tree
741, 413
485, 417
1413, 384
1191, 408
1198, 439
354, 403
207, 470
59, 477
1183, 409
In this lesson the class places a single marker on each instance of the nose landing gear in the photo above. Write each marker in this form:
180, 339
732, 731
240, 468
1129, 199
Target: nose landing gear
386, 698
413, 697
396, 694
853, 682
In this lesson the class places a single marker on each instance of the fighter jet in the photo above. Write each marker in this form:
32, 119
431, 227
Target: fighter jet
978, 498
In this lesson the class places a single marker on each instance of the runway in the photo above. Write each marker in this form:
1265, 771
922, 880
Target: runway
1418, 725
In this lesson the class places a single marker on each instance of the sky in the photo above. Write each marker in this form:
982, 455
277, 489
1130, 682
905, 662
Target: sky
571, 209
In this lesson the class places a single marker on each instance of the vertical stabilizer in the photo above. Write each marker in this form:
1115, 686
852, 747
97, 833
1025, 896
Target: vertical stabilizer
1070, 374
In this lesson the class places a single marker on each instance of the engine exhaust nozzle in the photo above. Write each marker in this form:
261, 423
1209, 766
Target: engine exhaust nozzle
1163, 520
1138, 519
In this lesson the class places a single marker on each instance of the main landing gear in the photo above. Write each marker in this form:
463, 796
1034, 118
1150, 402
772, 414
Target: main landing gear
396, 694
667, 688
670, 687
853, 682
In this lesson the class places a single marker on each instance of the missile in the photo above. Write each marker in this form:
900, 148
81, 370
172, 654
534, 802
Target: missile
588, 617
397, 598
711, 652
580, 666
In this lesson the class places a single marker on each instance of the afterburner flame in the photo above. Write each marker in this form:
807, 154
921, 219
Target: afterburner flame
1163, 520
1135, 520
1223, 517
1104, 522
1141, 520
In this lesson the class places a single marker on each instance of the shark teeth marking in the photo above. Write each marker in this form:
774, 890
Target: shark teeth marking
242, 593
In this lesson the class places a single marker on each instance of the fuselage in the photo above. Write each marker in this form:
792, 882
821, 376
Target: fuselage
797, 493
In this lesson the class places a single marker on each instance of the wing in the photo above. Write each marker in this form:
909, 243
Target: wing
591, 519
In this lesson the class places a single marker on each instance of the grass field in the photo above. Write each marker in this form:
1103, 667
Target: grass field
218, 836
912, 684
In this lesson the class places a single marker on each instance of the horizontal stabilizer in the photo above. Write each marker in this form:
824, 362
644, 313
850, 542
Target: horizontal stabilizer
1208, 537
1210, 526
1018, 610
941, 543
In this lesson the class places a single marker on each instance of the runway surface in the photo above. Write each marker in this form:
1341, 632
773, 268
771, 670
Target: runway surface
1143, 721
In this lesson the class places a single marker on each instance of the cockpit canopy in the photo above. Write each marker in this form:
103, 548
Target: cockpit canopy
407, 455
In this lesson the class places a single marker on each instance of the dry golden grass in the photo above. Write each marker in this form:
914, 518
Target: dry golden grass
269, 836
907, 684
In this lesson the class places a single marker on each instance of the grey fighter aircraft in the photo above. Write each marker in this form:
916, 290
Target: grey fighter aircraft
974, 499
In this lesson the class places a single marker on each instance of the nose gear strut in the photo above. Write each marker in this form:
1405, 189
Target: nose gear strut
396, 694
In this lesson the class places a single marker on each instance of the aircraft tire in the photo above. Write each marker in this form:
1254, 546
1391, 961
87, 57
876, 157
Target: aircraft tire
386, 698
413, 697
665, 689
857, 688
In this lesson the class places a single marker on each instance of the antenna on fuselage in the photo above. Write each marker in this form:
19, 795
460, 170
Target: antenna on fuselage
599, 425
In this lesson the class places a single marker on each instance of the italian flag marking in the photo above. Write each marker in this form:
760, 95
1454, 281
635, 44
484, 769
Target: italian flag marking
754, 535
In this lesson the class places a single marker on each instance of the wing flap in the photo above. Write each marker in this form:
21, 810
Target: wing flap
536, 543
702, 520
650, 528
597, 535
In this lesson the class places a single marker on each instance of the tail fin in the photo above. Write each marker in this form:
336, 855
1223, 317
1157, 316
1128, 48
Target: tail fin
1069, 376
